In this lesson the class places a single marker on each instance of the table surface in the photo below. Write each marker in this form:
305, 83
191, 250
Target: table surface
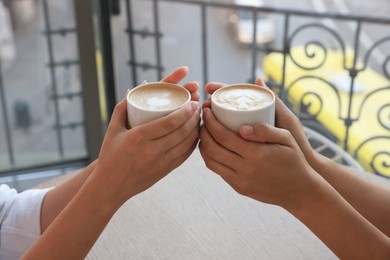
193, 214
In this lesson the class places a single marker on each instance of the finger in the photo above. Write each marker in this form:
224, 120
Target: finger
217, 152
228, 139
260, 82
179, 160
228, 174
193, 88
207, 103
181, 149
169, 123
195, 96
213, 86
283, 115
178, 136
177, 75
265, 133
285, 118
118, 118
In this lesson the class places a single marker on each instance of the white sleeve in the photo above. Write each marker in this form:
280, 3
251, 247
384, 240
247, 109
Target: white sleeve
20, 220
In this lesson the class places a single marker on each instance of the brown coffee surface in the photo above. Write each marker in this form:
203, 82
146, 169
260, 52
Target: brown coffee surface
158, 97
243, 98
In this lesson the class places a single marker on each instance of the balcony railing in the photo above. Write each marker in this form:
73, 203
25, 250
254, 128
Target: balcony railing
45, 88
319, 69
336, 81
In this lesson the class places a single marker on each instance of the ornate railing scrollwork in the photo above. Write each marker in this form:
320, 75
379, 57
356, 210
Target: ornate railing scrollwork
381, 110
386, 62
380, 161
306, 100
310, 52
385, 66
385, 111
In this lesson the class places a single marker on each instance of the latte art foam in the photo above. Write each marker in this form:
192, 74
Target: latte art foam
158, 98
243, 98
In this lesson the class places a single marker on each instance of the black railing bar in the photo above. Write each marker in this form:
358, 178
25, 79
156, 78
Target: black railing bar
157, 42
52, 76
254, 46
145, 65
204, 48
285, 11
144, 33
353, 73
46, 167
131, 42
107, 55
61, 31
286, 47
67, 95
6, 120
66, 63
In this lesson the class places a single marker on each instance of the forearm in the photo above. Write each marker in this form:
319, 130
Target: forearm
73, 233
57, 198
370, 199
339, 226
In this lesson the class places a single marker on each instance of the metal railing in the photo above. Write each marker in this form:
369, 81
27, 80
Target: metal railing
66, 127
353, 64
294, 23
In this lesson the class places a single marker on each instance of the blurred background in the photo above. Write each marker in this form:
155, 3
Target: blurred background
65, 63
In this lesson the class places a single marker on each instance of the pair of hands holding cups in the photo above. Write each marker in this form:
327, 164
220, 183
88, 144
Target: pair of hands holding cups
247, 157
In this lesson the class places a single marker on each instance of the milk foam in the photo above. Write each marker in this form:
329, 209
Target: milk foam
158, 98
243, 98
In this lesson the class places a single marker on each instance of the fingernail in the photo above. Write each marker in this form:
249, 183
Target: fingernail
205, 111
194, 105
186, 68
247, 129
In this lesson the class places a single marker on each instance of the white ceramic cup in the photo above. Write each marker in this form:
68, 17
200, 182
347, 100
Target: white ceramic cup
154, 100
239, 104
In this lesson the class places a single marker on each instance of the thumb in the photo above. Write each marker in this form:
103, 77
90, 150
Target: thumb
118, 120
264, 133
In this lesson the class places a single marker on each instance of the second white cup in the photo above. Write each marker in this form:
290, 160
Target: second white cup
239, 104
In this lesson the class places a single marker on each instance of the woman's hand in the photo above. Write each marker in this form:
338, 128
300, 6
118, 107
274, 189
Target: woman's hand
285, 119
272, 170
132, 160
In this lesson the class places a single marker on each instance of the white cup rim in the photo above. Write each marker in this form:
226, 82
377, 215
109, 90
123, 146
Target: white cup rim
151, 84
243, 85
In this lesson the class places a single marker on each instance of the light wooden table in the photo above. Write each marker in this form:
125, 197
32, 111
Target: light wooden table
194, 214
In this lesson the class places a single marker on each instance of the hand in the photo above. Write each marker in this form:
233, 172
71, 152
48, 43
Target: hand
272, 170
130, 161
284, 118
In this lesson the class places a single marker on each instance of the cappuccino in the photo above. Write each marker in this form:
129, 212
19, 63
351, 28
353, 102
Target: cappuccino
158, 97
154, 100
239, 104
243, 97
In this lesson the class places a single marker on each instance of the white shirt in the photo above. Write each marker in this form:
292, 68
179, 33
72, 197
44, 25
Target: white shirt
19, 220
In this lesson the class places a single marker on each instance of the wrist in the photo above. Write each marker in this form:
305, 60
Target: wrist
104, 194
319, 162
306, 194
315, 192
